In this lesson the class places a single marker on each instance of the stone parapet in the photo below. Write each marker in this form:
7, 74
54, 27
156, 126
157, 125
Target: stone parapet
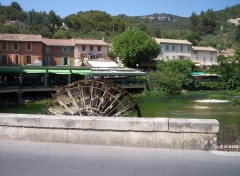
200, 134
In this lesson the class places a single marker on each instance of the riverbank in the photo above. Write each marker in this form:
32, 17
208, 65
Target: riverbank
181, 106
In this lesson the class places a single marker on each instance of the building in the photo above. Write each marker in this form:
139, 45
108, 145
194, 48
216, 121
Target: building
21, 25
235, 21
19, 49
174, 49
204, 56
58, 52
89, 49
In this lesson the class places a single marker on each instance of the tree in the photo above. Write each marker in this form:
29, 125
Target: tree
134, 46
171, 76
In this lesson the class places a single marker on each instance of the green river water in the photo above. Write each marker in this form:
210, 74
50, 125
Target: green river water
172, 107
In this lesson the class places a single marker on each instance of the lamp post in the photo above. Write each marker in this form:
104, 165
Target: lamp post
137, 66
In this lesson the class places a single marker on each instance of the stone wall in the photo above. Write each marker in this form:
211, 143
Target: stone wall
191, 134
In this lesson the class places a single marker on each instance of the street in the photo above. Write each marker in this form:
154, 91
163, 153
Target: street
19, 158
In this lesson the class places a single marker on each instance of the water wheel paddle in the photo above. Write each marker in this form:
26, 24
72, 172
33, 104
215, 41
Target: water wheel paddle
93, 97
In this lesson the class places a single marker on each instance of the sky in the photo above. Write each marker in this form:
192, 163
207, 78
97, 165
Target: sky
182, 8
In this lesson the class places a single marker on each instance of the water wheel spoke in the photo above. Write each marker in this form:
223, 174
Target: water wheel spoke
92, 98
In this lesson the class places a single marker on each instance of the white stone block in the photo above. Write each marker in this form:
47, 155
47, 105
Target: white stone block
194, 125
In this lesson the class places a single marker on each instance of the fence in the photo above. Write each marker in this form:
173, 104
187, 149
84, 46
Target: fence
229, 140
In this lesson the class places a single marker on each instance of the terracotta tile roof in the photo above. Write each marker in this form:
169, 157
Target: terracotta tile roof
89, 42
21, 37
58, 42
202, 48
172, 41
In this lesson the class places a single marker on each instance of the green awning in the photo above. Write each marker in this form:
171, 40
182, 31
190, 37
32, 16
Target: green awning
10, 70
82, 72
34, 71
60, 72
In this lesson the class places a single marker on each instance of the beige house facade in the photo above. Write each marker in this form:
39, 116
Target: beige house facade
89, 49
204, 56
174, 49
171, 49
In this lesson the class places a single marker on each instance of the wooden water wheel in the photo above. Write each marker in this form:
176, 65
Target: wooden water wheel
93, 97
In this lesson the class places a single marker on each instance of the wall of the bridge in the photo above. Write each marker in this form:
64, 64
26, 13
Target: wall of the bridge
200, 134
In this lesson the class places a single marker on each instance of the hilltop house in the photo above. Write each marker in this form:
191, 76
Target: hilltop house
21, 25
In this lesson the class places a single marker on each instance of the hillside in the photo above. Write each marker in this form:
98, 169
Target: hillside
207, 28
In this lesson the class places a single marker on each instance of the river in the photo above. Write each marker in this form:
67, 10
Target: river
186, 106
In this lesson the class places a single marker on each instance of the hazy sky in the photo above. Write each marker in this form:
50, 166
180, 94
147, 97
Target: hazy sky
129, 7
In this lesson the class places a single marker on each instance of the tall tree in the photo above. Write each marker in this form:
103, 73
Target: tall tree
134, 46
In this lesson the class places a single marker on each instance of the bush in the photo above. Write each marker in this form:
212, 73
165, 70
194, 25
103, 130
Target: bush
235, 101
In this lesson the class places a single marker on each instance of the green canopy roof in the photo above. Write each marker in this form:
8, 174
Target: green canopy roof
34, 71
82, 72
10, 70
61, 72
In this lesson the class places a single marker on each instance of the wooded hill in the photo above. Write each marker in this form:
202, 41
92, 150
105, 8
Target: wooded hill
200, 29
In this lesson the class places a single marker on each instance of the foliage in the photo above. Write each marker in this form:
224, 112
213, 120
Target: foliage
205, 23
134, 46
218, 96
230, 71
171, 76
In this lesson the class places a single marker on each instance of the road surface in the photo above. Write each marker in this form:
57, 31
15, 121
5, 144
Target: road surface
48, 159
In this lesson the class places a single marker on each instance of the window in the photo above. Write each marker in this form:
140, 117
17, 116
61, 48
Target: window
211, 59
47, 49
47, 60
28, 60
211, 53
204, 59
29, 46
189, 48
195, 52
4, 45
83, 48
15, 46
181, 48
65, 61
167, 47
15, 59
167, 57
173, 47
91, 48
99, 48
4, 60
65, 50
196, 58
174, 57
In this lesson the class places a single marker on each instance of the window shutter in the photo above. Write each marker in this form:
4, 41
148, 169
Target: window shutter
68, 49
69, 61
62, 49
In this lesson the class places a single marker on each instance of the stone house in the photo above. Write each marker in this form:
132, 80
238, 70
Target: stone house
204, 56
20, 49
58, 52
174, 49
86, 49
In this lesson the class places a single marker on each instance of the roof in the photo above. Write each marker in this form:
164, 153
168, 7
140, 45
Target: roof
58, 42
89, 42
202, 48
172, 41
102, 63
21, 37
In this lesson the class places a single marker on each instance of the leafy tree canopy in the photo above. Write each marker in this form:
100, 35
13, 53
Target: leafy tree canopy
134, 46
